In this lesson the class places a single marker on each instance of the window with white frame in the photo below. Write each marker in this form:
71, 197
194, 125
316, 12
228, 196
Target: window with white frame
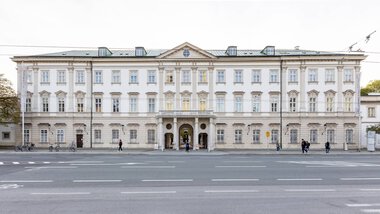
151, 104
238, 103
133, 103
293, 136
133, 78
256, 136
348, 103
238, 76
98, 104
45, 104
186, 78
202, 104
274, 103
28, 104
151, 77
371, 112
80, 104
330, 135
220, 136
115, 135
60, 136
293, 75
293, 104
256, 76
133, 135
220, 100
116, 77
185, 103
169, 76
115, 104
61, 104
313, 75
151, 136
29, 77
44, 76
274, 136
203, 76
348, 75
330, 75
220, 78
273, 76
330, 101
98, 77
26, 135
312, 104
98, 135
79, 76
238, 136
256, 100
349, 136
169, 102
61, 76
313, 135
43, 135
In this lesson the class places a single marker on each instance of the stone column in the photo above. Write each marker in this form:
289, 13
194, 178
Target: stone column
35, 89
339, 89
211, 88
302, 100
160, 135
357, 108
161, 88
175, 135
194, 87
210, 141
196, 133
70, 94
177, 87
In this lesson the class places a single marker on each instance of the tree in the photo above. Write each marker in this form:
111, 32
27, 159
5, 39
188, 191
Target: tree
373, 86
375, 128
9, 102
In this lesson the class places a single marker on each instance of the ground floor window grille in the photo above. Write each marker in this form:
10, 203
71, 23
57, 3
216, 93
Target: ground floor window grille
220, 136
60, 136
115, 135
238, 136
313, 136
256, 136
349, 136
274, 136
133, 136
331, 136
151, 136
98, 135
26, 135
293, 136
43, 136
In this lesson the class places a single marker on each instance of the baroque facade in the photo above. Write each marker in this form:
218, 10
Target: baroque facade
213, 99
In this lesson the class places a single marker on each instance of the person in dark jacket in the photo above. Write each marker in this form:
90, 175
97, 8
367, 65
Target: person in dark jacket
327, 147
303, 145
120, 145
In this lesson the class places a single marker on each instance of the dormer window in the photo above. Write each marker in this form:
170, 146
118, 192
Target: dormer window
231, 51
269, 50
140, 51
104, 51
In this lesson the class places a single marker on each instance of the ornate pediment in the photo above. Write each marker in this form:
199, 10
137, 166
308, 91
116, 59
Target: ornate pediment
186, 51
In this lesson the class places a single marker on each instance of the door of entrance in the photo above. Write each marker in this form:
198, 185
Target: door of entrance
202, 140
185, 135
79, 140
168, 141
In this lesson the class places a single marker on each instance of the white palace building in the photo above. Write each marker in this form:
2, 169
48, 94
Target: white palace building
214, 99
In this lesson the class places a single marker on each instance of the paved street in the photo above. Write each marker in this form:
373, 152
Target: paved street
189, 183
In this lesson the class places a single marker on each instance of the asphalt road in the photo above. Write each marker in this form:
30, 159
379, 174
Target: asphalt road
119, 183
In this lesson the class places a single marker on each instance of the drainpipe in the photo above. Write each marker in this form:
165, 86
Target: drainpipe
92, 101
281, 61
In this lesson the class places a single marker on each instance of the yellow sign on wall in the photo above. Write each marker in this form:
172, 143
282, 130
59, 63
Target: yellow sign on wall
267, 134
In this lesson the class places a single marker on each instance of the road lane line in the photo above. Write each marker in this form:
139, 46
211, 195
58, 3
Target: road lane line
46, 162
299, 179
26, 181
230, 191
240, 166
95, 164
31, 162
16, 162
147, 167
51, 167
60, 193
363, 205
247, 161
81, 162
151, 192
234, 179
1, 163
359, 179
169, 180
370, 210
176, 161
95, 181
309, 190
369, 189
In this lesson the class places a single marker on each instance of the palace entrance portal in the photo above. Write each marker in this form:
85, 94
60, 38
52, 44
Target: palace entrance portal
186, 135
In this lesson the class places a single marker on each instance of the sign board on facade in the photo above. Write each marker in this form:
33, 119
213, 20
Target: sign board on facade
267, 134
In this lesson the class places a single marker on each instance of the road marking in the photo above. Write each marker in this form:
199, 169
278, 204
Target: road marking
176, 161
46, 162
362, 205
27, 181
369, 189
371, 210
30, 162
95, 181
299, 179
240, 166
230, 191
60, 193
51, 167
151, 192
10, 186
235, 179
169, 180
95, 164
247, 161
147, 167
1, 163
16, 162
81, 162
359, 179
309, 190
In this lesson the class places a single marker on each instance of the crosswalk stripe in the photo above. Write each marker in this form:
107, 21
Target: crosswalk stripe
371, 210
30, 162
16, 162
46, 162
1, 163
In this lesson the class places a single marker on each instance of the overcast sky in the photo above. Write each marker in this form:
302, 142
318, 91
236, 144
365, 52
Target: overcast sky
325, 25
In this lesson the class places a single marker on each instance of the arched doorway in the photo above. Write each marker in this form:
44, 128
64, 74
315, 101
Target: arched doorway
202, 139
185, 135
169, 141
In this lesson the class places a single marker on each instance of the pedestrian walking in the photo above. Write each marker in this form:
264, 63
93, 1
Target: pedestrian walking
120, 145
307, 146
303, 146
187, 146
327, 147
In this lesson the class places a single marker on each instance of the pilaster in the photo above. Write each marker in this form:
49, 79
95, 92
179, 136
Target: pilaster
211, 141
194, 87
177, 87
175, 134
161, 80
35, 90
302, 89
211, 87
70, 94
339, 89
88, 88
196, 133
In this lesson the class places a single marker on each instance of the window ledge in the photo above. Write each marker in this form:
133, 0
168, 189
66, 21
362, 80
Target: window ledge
329, 82
221, 142
133, 143
151, 83
61, 83
313, 82
45, 83
348, 82
79, 83
116, 83
220, 82
274, 82
202, 83
185, 83
293, 82
256, 83
169, 83
133, 83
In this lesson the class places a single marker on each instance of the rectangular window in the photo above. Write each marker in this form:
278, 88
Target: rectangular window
202, 104
43, 136
293, 75
348, 75
133, 104
80, 104
349, 136
313, 136
256, 136
220, 136
151, 77
220, 104
273, 76
371, 112
312, 104
79, 76
203, 76
274, 103
115, 104
330, 104
220, 77
238, 136
29, 77
44, 76
60, 136
256, 76
169, 103
238, 104
151, 104
98, 77
133, 79
274, 136
115, 135
185, 103
61, 104
348, 104
151, 136
61, 76
293, 136
256, 99
45, 104
6, 136
292, 104
98, 135
313, 75
116, 77
186, 76
28, 104
330, 135
26, 135
98, 104
238, 76
133, 135
169, 77
330, 75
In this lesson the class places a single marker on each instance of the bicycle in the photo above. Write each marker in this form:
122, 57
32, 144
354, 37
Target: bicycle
56, 148
25, 147
72, 147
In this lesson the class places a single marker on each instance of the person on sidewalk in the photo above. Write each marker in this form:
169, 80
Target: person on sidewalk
307, 146
187, 146
120, 146
303, 146
327, 147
